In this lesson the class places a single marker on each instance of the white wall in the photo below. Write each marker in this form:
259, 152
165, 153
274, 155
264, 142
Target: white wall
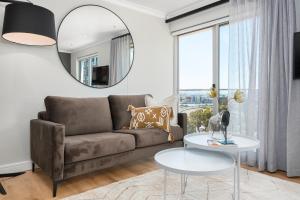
102, 50
293, 136
29, 74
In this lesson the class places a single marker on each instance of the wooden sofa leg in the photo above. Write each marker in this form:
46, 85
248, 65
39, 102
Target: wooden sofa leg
55, 184
33, 166
2, 190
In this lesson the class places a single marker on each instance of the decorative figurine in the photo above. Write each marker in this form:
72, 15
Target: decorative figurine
213, 93
214, 123
224, 124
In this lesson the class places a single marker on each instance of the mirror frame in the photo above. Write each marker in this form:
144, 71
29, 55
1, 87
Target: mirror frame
61, 22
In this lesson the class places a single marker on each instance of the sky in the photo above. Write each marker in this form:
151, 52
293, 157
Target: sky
196, 59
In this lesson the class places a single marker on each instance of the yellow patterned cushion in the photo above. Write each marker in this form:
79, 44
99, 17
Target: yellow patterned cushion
151, 117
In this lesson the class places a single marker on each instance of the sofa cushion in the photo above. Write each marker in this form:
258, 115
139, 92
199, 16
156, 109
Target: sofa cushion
119, 105
153, 136
80, 115
89, 146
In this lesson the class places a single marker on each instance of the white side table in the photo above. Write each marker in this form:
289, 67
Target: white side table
192, 161
243, 144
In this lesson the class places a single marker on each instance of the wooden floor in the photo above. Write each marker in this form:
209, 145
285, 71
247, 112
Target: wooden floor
37, 186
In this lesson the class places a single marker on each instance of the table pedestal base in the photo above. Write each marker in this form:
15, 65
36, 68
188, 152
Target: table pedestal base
183, 184
237, 170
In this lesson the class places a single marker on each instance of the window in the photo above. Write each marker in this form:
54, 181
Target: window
223, 66
86, 65
202, 61
131, 53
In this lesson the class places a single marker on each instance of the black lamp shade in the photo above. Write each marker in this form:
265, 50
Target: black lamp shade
28, 24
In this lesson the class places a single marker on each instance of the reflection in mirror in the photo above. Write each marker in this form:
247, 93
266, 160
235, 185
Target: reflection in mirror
95, 46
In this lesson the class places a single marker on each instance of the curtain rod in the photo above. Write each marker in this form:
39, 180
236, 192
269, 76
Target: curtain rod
14, 1
121, 36
197, 10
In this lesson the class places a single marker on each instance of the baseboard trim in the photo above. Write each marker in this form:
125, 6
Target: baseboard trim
15, 167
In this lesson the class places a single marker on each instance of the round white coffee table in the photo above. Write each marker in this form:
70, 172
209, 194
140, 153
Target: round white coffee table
192, 161
242, 144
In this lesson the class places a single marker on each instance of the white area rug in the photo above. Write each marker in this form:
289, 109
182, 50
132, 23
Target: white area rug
254, 186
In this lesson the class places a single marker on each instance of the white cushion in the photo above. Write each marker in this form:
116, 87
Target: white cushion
171, 101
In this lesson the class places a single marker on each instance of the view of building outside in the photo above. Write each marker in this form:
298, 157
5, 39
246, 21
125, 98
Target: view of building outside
196, 76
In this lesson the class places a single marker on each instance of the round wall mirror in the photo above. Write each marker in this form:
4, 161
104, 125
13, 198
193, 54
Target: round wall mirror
95, 46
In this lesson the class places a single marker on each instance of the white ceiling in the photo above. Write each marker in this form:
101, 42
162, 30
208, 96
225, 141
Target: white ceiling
165, 6
162, 8
86, 26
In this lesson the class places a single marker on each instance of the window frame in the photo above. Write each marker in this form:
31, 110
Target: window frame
216, 59
89, 57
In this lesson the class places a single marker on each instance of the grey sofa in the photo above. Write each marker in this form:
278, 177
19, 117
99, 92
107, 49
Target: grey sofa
75, 136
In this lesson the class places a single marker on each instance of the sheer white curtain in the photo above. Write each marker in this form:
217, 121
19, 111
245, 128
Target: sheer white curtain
119, 59
260, 65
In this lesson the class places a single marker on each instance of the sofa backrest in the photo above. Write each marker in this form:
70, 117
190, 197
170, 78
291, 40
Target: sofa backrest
80, 115
119, 105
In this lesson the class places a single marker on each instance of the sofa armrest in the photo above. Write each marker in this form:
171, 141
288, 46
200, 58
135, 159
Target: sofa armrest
182, 122
47, 147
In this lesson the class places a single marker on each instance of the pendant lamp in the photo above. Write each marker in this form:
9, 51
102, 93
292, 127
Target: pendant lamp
28, 24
